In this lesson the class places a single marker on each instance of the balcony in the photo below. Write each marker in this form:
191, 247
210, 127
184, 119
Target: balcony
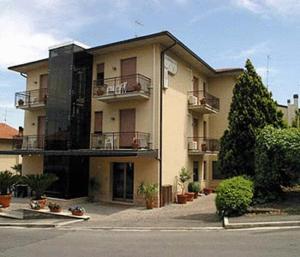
33, 99
28, 142
131, 87
121, 141
203, 102
201, 146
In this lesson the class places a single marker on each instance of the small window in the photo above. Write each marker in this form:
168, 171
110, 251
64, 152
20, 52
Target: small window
98, 122
216, 172
204, 170
195, 171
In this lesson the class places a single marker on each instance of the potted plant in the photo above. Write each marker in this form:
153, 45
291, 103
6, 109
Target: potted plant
137, 87
148, 191
207, 191
203, 147
135, 143
77, 210
184, 176
194, 187
7, 179
54, 207
39, 184
20, 102
203, 101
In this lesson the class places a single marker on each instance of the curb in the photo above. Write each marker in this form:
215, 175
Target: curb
268, 224
28, 225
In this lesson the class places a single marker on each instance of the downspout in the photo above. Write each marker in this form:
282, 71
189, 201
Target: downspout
162, 82
23, 75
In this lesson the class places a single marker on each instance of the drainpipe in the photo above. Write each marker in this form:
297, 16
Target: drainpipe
23, 75
162, 81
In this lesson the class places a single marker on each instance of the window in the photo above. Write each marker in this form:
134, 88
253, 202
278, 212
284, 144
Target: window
98, 122
216, 172
195, 171
100, 74
204, 170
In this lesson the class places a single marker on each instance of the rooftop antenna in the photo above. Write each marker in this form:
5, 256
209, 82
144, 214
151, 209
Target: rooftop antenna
138, 23
268, 69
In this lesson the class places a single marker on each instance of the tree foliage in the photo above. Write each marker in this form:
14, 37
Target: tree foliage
252, 108
277, 161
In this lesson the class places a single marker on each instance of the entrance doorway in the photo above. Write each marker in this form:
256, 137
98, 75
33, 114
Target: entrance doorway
123, 179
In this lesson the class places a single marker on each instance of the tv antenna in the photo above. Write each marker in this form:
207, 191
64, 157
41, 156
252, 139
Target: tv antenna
137, 23
268, 70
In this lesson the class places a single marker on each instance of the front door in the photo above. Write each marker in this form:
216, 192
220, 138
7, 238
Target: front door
128, 73
127, 128
123, 178
41, 131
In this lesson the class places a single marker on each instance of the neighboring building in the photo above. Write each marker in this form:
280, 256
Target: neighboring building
123, 113
6, 144
289, 110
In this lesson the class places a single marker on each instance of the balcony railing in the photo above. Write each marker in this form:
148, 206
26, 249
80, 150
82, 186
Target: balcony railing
31, 99
203, 145
28, 142
135, 86
203, 102
121, 140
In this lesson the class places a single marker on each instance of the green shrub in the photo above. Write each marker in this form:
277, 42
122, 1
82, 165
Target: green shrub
234, 196
194, 187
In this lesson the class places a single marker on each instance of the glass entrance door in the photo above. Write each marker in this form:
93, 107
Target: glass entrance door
123, 178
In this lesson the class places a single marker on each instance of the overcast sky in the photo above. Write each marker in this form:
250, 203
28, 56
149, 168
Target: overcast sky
223, 32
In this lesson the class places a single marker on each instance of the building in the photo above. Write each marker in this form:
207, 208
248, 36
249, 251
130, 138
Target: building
128, 112
6, 144
289, 110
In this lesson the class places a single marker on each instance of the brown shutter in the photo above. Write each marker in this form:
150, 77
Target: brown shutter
127, 127
128, 71
43, 87
195, 87
98, 122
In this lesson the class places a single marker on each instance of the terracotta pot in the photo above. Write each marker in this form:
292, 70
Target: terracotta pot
195, 195
77, 213
42, 202
137, 87
55, 209
149, 204
190, 196
5, 200
181, 199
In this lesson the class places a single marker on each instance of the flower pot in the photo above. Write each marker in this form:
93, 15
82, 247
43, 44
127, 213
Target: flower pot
137, 87
207, 191
77, 213
149, 204
195, 195
203, 147
181, 199
5, 200
55, 209
203, 101
38, 204
190, 196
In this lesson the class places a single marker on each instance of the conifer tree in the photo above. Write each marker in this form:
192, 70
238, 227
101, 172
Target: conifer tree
252, 108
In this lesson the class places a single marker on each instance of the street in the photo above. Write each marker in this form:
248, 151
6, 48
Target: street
92, 243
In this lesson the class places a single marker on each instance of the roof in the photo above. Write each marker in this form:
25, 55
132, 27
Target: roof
7, 132
165, 38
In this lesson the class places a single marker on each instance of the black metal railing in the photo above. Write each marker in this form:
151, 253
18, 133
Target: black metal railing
123, 85
203, 144
28, 142
202, 98
31, 98
120, 140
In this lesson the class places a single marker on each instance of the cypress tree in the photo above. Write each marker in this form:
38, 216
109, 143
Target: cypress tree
252, 108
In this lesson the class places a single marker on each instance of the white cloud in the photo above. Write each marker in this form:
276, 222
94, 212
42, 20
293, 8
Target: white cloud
270, 7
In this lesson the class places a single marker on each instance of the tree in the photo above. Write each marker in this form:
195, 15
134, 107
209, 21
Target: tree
252, 108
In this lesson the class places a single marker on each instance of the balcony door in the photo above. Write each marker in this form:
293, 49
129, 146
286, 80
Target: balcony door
123, 180
43, 88
195, 86
195, 129
41, 131
127, 128
128, 67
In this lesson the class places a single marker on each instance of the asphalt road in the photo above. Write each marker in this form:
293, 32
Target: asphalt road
64, 243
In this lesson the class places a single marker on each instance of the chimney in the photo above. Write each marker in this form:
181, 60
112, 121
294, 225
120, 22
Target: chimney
288, 101
21, 130
295, 100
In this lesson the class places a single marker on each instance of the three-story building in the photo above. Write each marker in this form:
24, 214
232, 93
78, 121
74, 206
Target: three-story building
123, 113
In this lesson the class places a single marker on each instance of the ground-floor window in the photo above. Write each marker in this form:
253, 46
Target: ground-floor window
123, 181
216, 172
195, 171
205, 170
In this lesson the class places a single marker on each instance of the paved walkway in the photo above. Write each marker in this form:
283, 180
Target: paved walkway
199, 213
